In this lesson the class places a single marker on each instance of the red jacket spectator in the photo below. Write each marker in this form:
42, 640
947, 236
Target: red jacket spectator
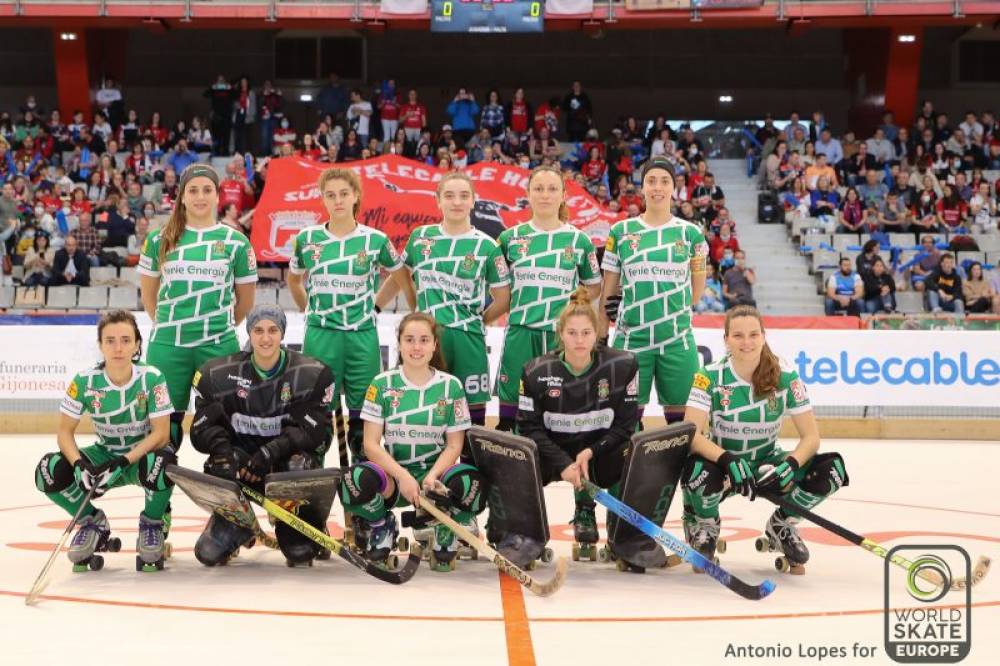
389, 108
413, 115
593, 170
547, 115
519, 113
234, 191
627, 199
724, 240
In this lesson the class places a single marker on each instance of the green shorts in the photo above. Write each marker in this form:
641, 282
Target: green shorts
465, 355
520, 345
354, 358
672, 368
178, 365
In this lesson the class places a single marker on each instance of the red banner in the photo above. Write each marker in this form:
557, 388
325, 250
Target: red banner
398, 194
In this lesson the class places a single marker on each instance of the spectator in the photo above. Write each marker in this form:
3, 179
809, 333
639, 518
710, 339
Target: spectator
140, 163
952, 212
547, 116
168, 193
797, 139
854, 169
851, 214
721, 218
983, 208
880, 289
724, 241
88, 241
518, 114
359, 115
944, 287
821, 169
873, 191
284, 134
118, 225
158, 134
827, 145
902, 145
738, 281
894, 216
38, 262
413, 115
270, 110
244, 113
881, 148
235, 189
889, 129
594, 169
333, 99
772, 164
925, 216
869, 254
766, 133
661, 143
135, 200
578, 109
493, 117
711, 298
70, 265
220, 95
137, 239
927, 263
388, 109
309, 149
629, 197
231, 218
109, 101
332, 154
823, 204
464, 113
961, 187
199, 137
977, 293
182, 157
844, 291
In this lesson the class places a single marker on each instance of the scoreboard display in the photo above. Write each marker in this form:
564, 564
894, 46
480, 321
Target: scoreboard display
499, 16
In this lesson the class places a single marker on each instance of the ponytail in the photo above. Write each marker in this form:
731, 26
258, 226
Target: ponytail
171, 233
579, 305
768, 372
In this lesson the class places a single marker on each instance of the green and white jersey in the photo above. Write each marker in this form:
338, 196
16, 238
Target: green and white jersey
545, 269
416, 418
120, 414
343, 274
655, 267
452, 274
740, 422
194, 306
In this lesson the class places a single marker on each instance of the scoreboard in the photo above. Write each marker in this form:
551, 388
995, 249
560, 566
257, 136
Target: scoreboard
498, 16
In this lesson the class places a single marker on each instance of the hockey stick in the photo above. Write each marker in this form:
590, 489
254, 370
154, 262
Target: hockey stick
397, 577
42, 581
501, 562
688, 554
979, 571
340, 428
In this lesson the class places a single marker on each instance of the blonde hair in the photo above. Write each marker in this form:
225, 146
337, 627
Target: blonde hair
349, 177
563, 208
768, 372
578, 305
455, 175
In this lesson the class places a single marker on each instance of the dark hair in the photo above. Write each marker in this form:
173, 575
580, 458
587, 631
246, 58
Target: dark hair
38, 236
968, 271
120, 317
768, 372
658, 163
947, 255
870, 245
437, 360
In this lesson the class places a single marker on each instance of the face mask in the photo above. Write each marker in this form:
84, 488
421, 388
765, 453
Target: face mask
284, 124
39, 210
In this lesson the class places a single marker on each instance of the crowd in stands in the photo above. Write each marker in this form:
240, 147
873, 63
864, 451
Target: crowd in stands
935, 182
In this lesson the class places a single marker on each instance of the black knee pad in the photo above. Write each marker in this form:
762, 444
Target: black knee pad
152, 469
54, 474
468, 488
701, 475
361, 484
827, 473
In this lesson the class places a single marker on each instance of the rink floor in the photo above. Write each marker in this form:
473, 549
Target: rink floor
256, 609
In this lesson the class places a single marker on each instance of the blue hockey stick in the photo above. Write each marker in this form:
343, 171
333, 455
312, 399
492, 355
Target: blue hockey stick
688, 554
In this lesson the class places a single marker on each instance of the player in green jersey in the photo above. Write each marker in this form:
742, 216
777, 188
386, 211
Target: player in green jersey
129, 406
659, 262
453, 264
415, 417
197, 283
547, 259
334, 277
741, 401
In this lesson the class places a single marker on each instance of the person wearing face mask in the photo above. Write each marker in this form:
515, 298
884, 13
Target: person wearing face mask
724, 241
738, 281
284, 134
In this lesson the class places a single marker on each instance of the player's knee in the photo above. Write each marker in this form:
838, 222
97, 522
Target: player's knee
362, 483
468, 488
53, 474
826, 475
153, 469
702, 476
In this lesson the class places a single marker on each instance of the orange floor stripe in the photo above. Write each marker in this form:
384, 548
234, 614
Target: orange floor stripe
520, 651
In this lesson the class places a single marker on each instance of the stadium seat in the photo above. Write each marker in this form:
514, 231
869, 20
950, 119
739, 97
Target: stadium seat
910, 302
17, 272
6, 297
266, 296
103, 275
93, 298
902, 240
129, 274
29, 297
843, 241
61, 297
123, 298
269, 274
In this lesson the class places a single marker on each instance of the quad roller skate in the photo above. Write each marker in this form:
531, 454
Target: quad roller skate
584, 532
92, 536
782, 536
702, 534
377, 540
151, 547
524, 551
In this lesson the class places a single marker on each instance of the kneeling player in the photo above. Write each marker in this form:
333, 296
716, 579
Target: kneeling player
421, 414
257, 412
129, 405
579, 406
741, 400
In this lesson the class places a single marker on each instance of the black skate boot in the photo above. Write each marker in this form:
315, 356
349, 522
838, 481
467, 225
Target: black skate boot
782, 536
702, 534
221, 541
584, 532
521, 550
92, 536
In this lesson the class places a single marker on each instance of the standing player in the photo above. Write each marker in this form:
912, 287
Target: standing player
547, 259
420, 413
579, 406
197, 284
452, 264
340, 261
129, 406
742, 400
261, 411
659, 261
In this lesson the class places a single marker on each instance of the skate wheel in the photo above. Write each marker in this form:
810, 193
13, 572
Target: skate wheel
402, 544
79, 567
672, 561
251, 543
576, 552
604, 555
781, 564
547, 555
531, 565
114, 544
96, 563
720, 546
324, 554
453, 564
160, 565
761, 544
592, 553
138, 563
392, 562
168, 550
621, 565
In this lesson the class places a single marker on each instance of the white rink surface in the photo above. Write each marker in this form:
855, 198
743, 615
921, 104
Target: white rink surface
258, 611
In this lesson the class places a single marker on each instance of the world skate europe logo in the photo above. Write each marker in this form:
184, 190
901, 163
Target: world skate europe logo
937, 630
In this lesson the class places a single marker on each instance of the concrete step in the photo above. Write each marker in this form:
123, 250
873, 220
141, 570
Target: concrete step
799, 290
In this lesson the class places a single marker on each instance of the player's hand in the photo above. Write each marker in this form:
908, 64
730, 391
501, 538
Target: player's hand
583, 462
257, 467
103, 476
430, 482
572, 475
738, 474
410, 489
776, 478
